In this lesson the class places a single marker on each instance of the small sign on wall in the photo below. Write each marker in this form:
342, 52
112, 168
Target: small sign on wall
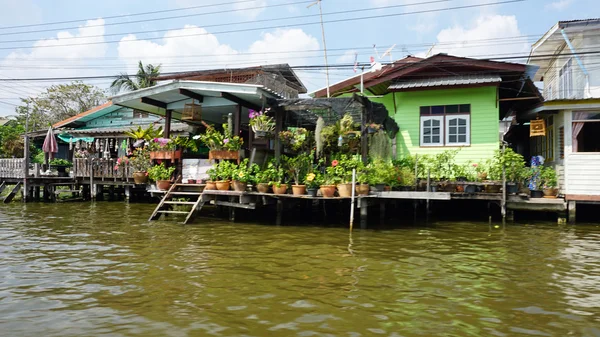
537, 127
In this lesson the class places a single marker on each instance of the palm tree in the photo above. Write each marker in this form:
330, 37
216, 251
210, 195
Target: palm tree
145, 78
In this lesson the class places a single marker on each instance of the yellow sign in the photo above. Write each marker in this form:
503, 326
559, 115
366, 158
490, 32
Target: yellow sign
537, 128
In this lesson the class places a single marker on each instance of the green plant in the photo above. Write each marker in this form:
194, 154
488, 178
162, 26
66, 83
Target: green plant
160, 172
313, 180
295, 138
514, 163
381, 172
225, 170
329, 137
212, 138
406, 176
140, 160
380, 146
60, 162
38, 158
148, 133
548, 177
259, 121
318, 135
363, 175
213, 174
185, 143
298, 167
245, 172
341, 168
233, 143
162, 144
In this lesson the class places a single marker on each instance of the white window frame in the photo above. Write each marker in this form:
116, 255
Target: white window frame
566, 80
549, 92
468, 127
422, 122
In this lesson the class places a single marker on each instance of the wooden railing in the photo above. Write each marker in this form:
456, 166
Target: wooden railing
12, 168
102, 168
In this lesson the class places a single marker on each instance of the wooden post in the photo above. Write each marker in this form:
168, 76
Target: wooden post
237, 121
416, 172
381, 211
428, 191
572, 206
92, 186
364, 212
278, 127
167, 129
279, 218
127, 192
503, 203
364, 140
353, 197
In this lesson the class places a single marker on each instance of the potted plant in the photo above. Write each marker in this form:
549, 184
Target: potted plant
362, 182
297, 167
379, 175
278, 175
341, 169
224, 173
407, 179
549, 182
535, 181
328, 185
243, 175
221, 145
313, 181
164, 149
61, 166
162, 175
140, 162
261, 124
295, 139
213, 176
263, 179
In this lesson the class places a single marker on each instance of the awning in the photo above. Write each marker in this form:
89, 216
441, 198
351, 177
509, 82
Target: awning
217, 99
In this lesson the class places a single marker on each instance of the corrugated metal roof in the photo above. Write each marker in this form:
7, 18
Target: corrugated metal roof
446, 81
175, 127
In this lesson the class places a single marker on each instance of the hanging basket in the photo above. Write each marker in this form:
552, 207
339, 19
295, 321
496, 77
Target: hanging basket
192, 112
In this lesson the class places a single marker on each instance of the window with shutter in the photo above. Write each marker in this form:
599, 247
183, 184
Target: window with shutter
457, 130
432, 131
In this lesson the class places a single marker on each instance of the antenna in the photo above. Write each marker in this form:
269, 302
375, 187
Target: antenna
318, 2
430, 50
388, 52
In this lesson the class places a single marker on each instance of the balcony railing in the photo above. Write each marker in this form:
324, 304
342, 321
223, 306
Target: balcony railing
12, 168
102, 168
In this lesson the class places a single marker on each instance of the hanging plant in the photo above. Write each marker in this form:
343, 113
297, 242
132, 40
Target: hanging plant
380, 147
318, 136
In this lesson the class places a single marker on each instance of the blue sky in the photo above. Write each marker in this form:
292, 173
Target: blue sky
114, 45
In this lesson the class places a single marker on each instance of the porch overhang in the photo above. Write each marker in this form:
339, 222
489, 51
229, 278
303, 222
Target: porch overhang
216, 98
555, 106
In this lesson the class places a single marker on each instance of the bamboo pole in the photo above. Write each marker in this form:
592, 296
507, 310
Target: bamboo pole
503, 208
353, 197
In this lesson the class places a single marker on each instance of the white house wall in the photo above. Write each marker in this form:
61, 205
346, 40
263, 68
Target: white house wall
582, 170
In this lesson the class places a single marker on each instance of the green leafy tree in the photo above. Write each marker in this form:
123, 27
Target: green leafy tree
58, 103
146, 77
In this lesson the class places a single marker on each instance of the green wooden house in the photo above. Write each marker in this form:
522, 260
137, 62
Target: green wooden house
445, 102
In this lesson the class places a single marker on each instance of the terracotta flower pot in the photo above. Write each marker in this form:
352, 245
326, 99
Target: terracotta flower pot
328, 191
345, 190
140, 177
163, 184
299, 189
263, 188
550, 192
282, 189
362, 189
223, 185
210, 186
239, 186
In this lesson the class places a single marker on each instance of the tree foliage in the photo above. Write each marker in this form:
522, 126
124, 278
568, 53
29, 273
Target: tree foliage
146, 77
58, 103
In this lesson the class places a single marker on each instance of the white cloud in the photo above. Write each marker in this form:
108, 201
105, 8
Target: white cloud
282, 45
49, 58
458, 40
559, 5
242, 8
348, 57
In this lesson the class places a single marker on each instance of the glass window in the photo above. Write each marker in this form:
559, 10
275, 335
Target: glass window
451, 109
425, 110
465, 108
432, 131
437, 110
458, 131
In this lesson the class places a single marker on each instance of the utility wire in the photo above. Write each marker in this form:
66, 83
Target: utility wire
336, 66
275, 27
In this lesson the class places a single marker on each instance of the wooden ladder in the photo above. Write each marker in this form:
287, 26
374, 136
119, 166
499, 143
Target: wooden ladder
12, 193
179, 191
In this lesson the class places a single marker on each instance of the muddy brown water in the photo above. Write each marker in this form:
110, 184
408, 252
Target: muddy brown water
102, 270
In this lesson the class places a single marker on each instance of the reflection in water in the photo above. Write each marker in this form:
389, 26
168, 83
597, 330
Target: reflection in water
101, 269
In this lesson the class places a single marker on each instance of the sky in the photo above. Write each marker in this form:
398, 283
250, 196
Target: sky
101, 38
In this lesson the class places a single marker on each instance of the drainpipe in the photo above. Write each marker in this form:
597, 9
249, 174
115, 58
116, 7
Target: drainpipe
587, 75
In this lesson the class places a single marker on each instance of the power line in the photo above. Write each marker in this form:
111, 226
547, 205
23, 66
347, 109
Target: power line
228, 23
155, 19
318, 67
275, 27
125, 15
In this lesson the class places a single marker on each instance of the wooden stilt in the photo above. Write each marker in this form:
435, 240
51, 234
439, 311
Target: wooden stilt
279, 219
381, 211
2, 187
572, 209
364, 212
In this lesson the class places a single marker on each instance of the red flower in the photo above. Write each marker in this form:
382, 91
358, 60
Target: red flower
334, 163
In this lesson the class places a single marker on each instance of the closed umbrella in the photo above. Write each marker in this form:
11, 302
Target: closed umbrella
50, 145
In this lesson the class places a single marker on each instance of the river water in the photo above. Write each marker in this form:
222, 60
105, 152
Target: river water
102, 270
